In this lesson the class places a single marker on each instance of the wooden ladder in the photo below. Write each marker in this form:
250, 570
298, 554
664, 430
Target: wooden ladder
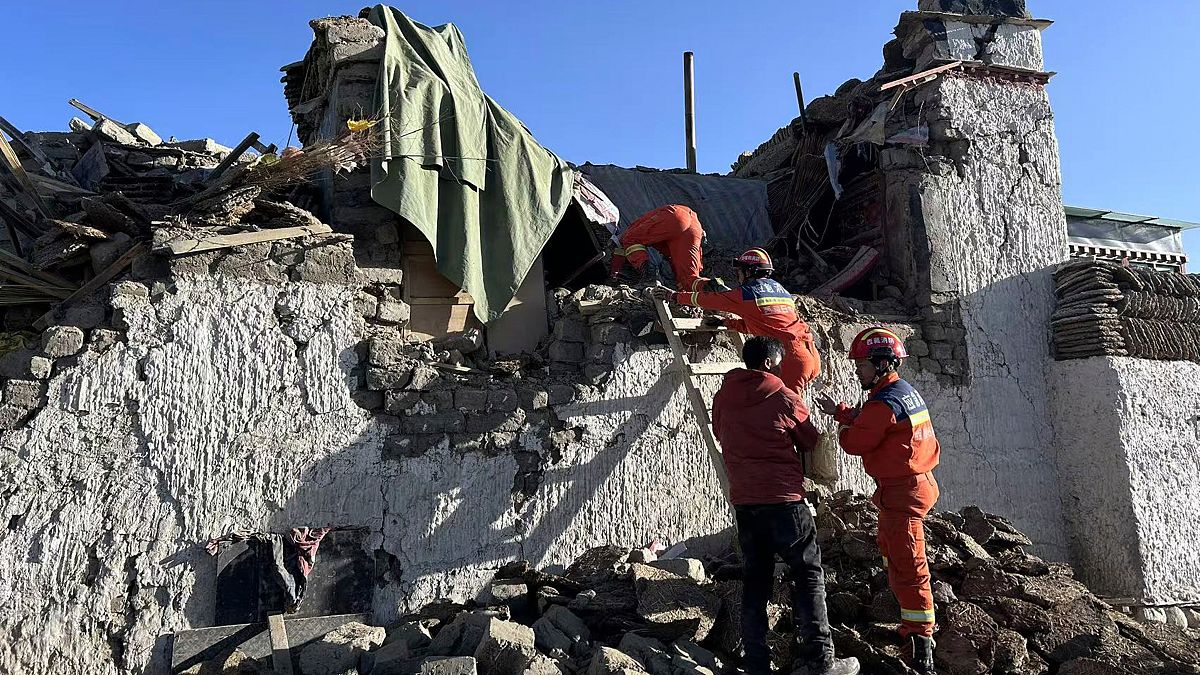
689, 371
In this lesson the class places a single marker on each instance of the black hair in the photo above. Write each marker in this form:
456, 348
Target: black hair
758, 349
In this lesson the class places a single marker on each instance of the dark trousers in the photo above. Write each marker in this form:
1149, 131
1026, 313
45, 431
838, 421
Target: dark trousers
786, 530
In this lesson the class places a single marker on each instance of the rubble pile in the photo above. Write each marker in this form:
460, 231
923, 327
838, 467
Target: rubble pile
1105, 309
1000, 610
80, 208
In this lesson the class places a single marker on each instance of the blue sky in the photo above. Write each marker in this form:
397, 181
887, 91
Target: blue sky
601, 81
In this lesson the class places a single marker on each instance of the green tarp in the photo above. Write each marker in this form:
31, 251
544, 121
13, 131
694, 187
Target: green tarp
459, 167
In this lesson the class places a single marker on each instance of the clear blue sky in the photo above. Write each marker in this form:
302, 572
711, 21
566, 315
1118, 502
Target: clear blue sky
601, 81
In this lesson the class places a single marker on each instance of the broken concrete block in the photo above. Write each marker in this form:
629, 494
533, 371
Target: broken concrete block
642, 555
332, 263
570, 329
609, 661
393, 312
26, 394
532, 399
461, 636
1015, 46
12, 416
459, 665
506, 648
85, 316
387, 349
544, 665
560, 629
649, 652
40, 367
976, 7
394, 377
392, 659
684, 567
115, 133
339, 650
368, 399
693, 653
674, 606
413, 634
422, 376
60, 341
467, 342
105, 253
507, 591
442, 422
502, 400
144, 134
399, 402
966, 641
202, 145
412, 445
611, 333
1150, 614
474, 400
366, 305
567, 352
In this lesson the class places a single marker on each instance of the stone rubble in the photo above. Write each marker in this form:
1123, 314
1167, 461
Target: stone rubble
999, 609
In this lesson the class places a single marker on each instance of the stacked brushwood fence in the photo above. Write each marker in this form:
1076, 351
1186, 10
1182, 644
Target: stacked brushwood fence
1105, 309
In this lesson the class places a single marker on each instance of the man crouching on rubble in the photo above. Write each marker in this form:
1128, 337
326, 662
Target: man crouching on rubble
893, 435
761, 425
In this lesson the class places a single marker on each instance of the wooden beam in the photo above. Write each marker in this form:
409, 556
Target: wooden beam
21, 265
9, 159
19, 138
921, 77
15, 217
92, 112
218, 241
281, 649
229, 161
96, 282
719, 368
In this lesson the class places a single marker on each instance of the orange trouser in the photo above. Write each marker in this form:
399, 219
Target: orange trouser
674, 232
801, 363
903, 502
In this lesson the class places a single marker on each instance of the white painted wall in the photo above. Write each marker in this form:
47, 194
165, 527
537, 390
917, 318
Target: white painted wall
1128, 449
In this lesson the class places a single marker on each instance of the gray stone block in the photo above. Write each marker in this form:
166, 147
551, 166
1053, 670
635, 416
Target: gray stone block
570, 329
114, 133
674, 606
567, 352
461, 636
395, 658
506, 648
144, 134
459, 665
507, 591
40, 367
332, 263
399, 402
559, 394
25, 394
395, 377
60, 341
412, 445
385, 350
340, 649
532, 399
442, 422
611, 333
559, 628
649, 652
500, 421
1015, 47
600, 353
366, 305
684, 567
393, 312
12, 417
368, 399
474, 400
609, 661
502, 400
85, 316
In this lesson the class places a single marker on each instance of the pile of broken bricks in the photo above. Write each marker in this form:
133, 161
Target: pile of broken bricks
616, 611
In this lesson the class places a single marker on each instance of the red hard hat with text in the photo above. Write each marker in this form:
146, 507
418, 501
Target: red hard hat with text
755, 257
876, 342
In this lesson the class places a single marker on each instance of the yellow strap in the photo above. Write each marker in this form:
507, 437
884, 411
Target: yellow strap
634, 249
918, 615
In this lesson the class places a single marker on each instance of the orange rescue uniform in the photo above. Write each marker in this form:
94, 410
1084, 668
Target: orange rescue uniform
674, 231
766, 308
894, 437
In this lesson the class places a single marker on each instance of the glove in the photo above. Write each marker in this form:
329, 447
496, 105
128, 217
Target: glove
658, 293
714, 322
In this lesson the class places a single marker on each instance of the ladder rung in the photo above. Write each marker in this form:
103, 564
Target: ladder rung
712, 368
695, 326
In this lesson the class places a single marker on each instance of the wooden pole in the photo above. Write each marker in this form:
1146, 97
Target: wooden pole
800, 101
689, 109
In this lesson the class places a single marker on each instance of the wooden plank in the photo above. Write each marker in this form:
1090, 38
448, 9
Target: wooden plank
20, 264
96, 282
229, 161
19, 138
699, 406
54, 185
16, 218
719, 368
433, 321
14, 165
422, 275
281, 650
921, 77
218, 241
464, 299
91, 112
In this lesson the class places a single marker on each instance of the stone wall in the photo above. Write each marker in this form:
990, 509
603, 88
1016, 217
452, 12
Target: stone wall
1127, 462
230, 403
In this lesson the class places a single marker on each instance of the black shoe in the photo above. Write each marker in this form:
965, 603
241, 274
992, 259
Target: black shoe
922, 654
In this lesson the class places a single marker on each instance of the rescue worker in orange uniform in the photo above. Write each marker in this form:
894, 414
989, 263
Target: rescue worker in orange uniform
675, 232
894, 436
765, 307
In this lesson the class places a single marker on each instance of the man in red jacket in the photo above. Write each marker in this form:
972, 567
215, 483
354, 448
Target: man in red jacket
762, 425
765, 307
893, 435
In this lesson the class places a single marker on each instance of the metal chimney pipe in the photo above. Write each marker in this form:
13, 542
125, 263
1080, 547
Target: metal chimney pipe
689, 109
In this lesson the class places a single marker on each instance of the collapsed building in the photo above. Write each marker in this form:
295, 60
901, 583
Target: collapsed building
212, 353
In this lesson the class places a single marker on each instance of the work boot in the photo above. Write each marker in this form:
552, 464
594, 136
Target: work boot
922, 654
847, 666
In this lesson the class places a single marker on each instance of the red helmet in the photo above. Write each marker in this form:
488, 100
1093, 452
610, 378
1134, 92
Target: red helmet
755, 259
877, 342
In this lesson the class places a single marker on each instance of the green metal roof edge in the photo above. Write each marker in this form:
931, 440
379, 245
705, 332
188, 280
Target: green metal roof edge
1128, 218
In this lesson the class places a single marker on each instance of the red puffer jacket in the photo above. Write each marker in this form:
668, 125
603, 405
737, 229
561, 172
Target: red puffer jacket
761, 424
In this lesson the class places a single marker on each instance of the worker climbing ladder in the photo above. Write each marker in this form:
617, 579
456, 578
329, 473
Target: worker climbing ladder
688, 371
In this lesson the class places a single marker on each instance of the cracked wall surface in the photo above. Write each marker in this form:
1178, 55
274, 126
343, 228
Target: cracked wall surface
214, 414
983, 210
1127, 463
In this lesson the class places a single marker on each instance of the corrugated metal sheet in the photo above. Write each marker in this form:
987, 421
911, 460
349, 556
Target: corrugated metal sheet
733, 211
